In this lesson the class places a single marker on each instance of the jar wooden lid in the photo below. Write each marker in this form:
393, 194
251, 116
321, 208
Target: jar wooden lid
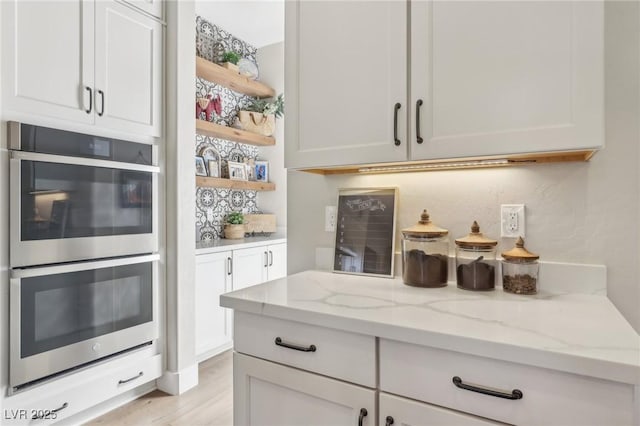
424, 228
519, 252
476, 238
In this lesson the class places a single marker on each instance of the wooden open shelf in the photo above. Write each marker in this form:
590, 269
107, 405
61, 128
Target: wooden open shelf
234, 184
234, 81
229, 133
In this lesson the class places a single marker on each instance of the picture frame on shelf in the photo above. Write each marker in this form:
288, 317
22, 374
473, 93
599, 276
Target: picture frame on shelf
250, 164
214, 168
201, 168
237, 171
262, 171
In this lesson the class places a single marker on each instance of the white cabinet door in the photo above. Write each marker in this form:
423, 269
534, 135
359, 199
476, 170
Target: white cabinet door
213, 322
506, 77
128, 75
345, 69
405, 412
47, 50
277, 261
267, 394
250, 266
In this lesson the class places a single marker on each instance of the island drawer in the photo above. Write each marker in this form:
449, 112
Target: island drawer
547, 397
347, 356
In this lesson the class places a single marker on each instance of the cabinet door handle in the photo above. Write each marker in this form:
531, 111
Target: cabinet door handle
131, 379
418, 137
266, 259
88, 89
311, 348
395, 124
270, 258
45, 413
514, 394
101, 93
389, 421
229, 266
363, 414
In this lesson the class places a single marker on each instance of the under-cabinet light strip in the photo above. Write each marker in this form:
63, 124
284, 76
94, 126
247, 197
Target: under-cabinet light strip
431, 166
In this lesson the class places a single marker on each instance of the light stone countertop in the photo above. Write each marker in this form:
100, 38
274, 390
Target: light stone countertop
216, 246
576, 333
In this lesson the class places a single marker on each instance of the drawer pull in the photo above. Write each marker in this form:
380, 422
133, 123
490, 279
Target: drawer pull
515, 394
122, 382
389, 421
46, 413
311, 348
363, 414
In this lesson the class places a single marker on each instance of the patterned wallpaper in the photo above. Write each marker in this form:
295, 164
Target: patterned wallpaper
213, 204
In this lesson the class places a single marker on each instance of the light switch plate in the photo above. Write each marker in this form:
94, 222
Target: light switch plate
330, 218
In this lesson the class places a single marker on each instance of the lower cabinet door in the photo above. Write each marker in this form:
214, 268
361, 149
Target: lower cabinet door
398, 411
266, 394
277, 261
250, 266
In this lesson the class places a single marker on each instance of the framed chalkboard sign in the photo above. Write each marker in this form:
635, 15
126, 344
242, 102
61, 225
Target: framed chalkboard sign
365, 231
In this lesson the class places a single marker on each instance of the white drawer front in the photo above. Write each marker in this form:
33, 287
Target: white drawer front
61, 399
549, 397
346, 356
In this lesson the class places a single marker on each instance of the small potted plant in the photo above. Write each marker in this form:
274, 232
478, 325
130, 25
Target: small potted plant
230, 61
234, 226
260, 116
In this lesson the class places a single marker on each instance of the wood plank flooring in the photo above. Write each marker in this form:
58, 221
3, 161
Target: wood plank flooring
209, 403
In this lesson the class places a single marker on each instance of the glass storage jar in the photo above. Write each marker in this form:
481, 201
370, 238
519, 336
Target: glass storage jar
425, 254
520, 270
476, 261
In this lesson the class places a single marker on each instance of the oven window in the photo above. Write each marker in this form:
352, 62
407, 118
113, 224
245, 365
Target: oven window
71, 201
62, 309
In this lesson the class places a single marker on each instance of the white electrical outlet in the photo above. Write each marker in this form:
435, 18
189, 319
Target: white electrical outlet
512, 223
330, 218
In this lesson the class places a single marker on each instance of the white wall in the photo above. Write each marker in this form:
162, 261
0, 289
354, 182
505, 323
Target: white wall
271, 63
576, 212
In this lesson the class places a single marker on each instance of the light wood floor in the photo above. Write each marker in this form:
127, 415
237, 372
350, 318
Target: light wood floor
209, 403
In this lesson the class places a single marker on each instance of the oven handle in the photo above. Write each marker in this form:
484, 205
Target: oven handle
82, 266
81, 161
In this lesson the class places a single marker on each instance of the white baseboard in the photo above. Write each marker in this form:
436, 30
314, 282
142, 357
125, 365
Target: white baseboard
178, 382
217, 351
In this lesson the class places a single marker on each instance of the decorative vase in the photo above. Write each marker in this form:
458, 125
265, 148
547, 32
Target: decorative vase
257, 122
233, 232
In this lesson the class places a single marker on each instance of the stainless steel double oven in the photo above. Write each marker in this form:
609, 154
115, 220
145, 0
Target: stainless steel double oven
83, 250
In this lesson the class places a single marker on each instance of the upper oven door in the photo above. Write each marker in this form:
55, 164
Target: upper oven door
67, 208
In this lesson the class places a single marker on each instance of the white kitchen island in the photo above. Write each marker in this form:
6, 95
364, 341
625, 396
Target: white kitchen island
323, 348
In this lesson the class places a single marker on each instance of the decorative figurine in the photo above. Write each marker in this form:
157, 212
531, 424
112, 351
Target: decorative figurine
209, 106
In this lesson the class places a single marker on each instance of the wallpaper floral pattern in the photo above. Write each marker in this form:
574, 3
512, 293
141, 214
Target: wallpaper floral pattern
213, 204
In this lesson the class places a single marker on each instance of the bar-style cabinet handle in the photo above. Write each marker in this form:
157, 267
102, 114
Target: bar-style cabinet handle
389, 421
101, 93
270, 258
88, 89
514, 394
131, 379
418, 137
229, 266
45, 412
363, 414
266, 259
279, 342
396, 107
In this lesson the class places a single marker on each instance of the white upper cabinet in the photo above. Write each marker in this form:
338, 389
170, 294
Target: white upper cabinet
346, 68
47, 63
506, 77
128, 74
83, 62
493, 78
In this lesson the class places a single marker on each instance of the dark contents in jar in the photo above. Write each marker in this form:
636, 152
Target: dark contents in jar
519, 284
476, 276
425, 270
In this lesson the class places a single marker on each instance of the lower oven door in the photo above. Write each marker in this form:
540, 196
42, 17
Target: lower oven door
64, 316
